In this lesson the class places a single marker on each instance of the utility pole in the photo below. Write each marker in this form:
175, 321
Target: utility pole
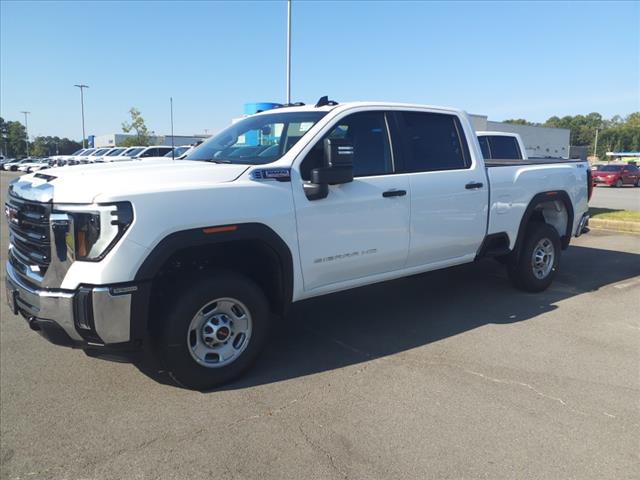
26, 130
595, 146
288, 51
82, 87
173, 147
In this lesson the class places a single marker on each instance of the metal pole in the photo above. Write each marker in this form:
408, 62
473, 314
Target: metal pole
595, 147
82, 87
26, 130
173, 150
288, 51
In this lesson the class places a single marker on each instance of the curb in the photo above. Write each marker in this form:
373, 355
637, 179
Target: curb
616, 225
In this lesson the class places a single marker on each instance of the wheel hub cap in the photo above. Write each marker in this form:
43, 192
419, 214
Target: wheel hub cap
219, 332
543, 258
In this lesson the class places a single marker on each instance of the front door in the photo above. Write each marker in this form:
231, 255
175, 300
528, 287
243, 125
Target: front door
361, 228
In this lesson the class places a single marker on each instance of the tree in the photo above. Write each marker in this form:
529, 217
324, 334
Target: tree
47, 146
137, 124
13, 136
616, 133
519, 121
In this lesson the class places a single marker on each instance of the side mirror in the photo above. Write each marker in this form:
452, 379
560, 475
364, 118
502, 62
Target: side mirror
337, 169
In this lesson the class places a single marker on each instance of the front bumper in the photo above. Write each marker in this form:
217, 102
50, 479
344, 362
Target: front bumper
89, 317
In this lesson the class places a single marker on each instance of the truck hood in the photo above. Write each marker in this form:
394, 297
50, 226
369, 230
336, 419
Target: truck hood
106, 181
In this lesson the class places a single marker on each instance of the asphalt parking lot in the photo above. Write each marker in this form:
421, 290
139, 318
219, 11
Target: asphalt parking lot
625, 198
450, 374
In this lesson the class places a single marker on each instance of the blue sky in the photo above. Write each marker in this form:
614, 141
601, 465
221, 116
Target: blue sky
503, 59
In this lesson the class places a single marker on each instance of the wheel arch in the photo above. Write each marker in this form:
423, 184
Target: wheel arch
540, 204
259, 252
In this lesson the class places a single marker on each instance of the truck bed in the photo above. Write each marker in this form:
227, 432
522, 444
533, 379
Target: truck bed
514, 184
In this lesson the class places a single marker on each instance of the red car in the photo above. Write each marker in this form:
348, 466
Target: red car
616, 175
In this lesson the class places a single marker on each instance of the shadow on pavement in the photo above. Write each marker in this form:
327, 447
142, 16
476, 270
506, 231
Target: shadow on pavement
379, 320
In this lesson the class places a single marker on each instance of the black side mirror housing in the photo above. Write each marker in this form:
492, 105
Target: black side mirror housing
338, 168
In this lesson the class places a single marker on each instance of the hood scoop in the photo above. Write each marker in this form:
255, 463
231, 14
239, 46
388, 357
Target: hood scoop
45, 177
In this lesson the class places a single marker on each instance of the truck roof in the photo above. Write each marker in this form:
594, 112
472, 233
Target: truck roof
496, 133
347, 105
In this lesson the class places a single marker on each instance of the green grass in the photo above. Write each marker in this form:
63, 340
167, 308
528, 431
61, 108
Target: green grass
611, 214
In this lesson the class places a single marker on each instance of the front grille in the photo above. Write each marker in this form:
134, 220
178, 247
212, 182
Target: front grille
29, 233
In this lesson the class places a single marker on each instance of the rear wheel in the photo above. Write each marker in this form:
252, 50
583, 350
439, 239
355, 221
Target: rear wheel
637, 184
537, 264
214, 331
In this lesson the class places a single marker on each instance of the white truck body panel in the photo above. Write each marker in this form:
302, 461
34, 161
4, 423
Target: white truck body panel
351, 238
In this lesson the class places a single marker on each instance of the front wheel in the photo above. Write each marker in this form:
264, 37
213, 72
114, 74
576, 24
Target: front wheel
537, 264
214, 331
618, 183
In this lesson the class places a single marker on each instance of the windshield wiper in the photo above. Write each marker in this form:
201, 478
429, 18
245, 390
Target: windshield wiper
216, 160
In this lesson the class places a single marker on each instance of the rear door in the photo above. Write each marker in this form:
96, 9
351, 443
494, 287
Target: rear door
449, 189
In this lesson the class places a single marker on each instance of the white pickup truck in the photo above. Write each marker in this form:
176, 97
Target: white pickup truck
194, 258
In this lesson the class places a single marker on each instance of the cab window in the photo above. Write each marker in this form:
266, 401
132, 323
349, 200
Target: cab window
504, 148
368, 133
433, 142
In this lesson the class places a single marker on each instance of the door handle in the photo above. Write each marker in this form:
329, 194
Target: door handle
394, 193
473, 185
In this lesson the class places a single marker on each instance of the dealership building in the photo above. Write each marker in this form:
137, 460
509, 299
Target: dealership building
538, 141
116, 139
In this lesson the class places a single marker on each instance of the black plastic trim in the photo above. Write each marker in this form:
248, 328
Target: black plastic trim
197, 237
494, 245
528, 213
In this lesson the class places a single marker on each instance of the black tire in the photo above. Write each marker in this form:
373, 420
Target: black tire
618, 183
171, 345
637, 184
521, 269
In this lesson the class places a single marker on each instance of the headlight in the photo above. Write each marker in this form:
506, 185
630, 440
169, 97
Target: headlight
97, 228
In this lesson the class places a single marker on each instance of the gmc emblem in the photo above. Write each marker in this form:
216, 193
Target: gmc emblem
12, 214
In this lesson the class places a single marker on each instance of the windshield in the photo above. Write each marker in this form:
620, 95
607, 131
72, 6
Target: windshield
133, 151
99, 152
78, 152
177, 152
610, 168
258, 139
89, 151
115, 151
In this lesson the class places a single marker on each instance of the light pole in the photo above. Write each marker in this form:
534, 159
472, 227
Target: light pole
288, 51
173, 146
82, 87
26, 130
595, 147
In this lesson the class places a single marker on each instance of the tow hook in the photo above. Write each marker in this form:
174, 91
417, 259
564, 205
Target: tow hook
33, 324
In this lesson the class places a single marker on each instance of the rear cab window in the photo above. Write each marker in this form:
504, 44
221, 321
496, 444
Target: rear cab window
500, 147
432, 142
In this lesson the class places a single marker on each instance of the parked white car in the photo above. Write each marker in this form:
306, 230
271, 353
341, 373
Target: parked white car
16, 164
114, 152
194, 258
41, 164
60, 160
155, 151
173, 153
127, 154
